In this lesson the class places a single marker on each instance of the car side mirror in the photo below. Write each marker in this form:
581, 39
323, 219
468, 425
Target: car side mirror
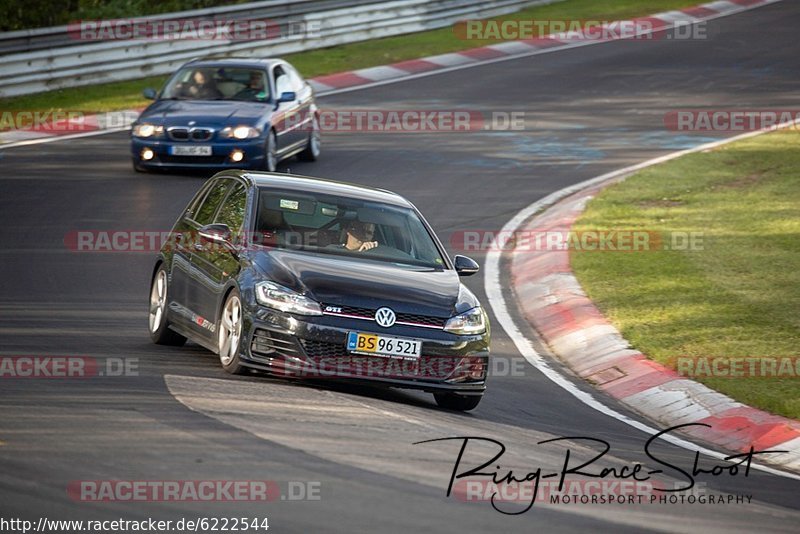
288, 96
149, 93
218, 234
466, 266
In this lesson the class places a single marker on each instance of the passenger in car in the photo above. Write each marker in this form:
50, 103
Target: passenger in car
255, 88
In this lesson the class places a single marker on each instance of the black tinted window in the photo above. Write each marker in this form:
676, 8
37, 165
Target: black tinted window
205, 213
330, 224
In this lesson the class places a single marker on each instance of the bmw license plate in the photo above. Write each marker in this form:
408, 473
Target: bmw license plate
192, 150
363, 343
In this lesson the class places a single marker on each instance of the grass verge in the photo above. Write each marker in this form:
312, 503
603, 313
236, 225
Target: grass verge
739, 296
123, 95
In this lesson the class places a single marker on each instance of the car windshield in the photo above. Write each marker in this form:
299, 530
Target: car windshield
218, 83
330, 224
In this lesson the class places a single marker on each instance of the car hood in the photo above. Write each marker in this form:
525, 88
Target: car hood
180, 112
337, 280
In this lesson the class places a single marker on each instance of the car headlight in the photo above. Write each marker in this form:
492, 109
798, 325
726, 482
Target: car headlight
146, 129
240, 132
281, 298
468, 323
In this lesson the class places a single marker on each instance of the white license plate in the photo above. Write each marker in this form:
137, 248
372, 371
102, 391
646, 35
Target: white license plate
364, 343
192, 150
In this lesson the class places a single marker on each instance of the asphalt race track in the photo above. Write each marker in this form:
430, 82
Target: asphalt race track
588, 111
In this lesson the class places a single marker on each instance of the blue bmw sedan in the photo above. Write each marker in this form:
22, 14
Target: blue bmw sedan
228, 113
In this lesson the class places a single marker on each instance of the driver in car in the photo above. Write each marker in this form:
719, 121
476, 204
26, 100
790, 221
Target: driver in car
359, 236
199, 86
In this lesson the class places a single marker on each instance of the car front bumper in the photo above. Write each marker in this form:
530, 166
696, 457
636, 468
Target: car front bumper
315, 348
220, 158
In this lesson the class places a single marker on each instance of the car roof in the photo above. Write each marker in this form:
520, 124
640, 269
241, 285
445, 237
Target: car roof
294, 182
258, 63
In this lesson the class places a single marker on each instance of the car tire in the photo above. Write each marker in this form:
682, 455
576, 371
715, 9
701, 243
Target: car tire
314, 144
454, 401
229, 333
271, 152
158, 324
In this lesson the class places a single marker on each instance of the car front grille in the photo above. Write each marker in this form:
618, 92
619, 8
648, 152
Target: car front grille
326, 359
316, 350
178, 134
194, 134
201, 134
403, 318
426, 320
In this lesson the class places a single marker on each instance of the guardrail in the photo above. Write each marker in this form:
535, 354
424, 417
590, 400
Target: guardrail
44, 59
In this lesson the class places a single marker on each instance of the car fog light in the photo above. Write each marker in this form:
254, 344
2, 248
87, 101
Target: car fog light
237, 155
147, 154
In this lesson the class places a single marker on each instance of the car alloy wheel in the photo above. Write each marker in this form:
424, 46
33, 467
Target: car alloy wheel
314, 145
158, 300
230, 333
157, 317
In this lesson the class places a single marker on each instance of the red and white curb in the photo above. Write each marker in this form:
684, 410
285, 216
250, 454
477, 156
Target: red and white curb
415, 68
553, 302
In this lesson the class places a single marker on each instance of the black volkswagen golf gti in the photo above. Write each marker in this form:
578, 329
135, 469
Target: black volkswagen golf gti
313, 278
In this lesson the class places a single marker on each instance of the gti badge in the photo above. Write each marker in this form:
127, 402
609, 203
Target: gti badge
384, 317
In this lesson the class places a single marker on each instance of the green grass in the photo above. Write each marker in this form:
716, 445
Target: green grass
122, 95
740, 295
